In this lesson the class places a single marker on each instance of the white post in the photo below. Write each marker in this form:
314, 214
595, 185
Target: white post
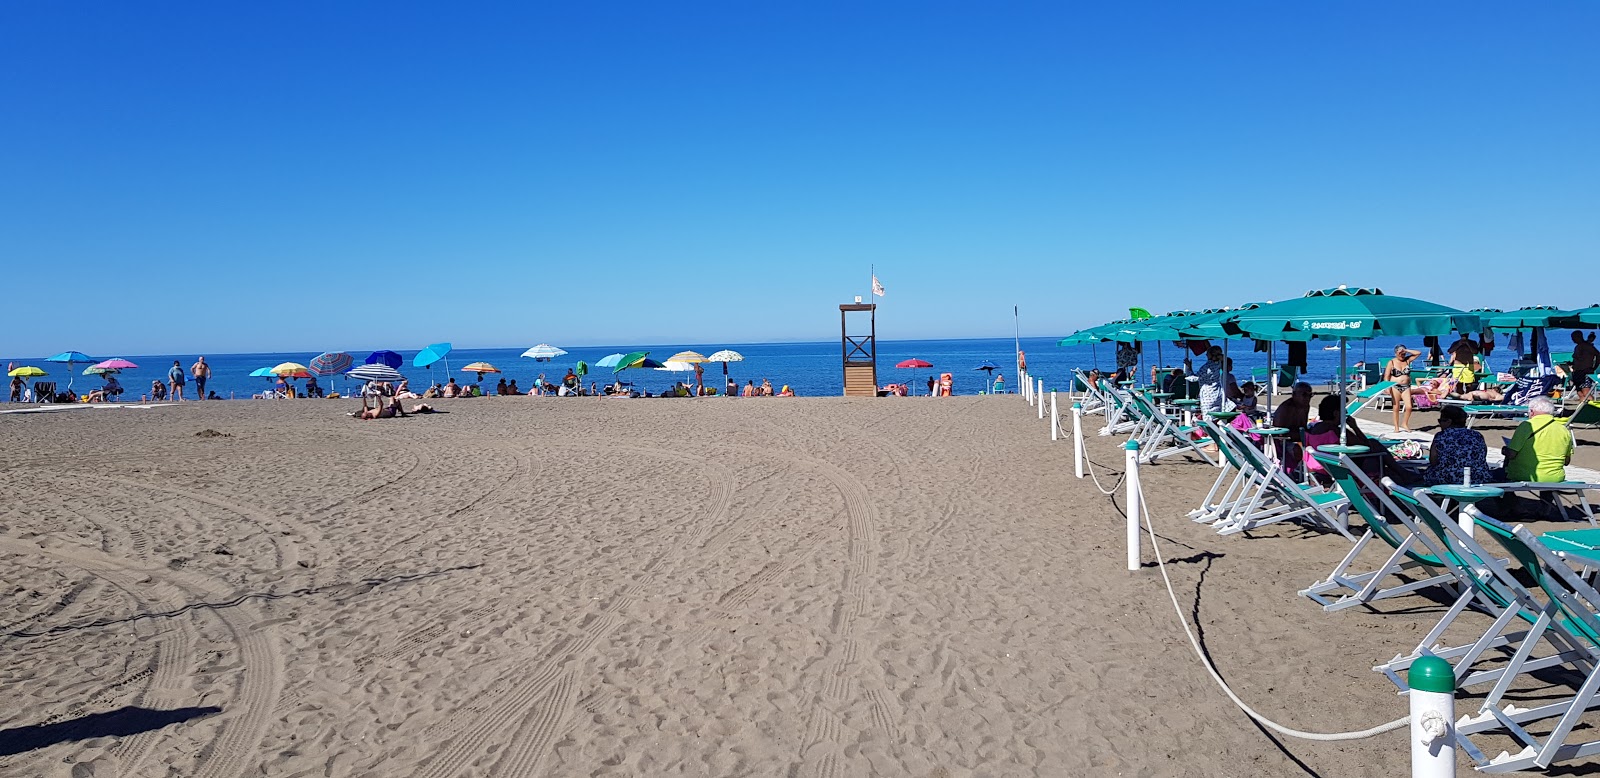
1041, 398
1077, 438
1131, 462
1433, 710
1027, 387
1055, 419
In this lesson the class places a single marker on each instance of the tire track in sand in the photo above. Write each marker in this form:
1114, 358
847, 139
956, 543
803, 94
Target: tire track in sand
288, 552
243, 727
541, 701
167, 665
820, 751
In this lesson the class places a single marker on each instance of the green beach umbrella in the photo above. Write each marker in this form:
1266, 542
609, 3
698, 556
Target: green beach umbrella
641, 363
1525, 318
1579, 318
1345, 314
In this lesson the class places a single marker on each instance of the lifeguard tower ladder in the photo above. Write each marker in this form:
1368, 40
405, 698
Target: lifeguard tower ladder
860, 351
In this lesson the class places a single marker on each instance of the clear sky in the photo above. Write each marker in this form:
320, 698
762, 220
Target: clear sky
274, 176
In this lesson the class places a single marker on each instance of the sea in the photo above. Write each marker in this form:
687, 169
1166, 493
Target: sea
810, 369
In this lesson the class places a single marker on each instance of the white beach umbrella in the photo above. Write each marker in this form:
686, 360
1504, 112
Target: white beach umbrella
375, 373
676, 367
725, 356
544, 352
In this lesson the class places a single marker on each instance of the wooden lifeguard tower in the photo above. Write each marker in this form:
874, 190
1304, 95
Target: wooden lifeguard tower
860, 351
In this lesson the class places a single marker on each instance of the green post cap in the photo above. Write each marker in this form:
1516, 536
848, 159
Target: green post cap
1132, 445
1077, 406
1431, 674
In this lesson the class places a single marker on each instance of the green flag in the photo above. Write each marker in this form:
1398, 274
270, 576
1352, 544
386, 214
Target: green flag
1138, 313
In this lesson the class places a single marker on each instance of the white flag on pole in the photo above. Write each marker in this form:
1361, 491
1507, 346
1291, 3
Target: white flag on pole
877, 288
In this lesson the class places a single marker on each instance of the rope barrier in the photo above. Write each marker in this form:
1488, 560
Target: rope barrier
1212, 670
1194, 643
1107, 492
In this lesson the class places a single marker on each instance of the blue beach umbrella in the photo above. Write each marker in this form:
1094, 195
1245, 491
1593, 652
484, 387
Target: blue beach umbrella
609, 360
388, 358
70, 357
262, 372
433, 353
988, 369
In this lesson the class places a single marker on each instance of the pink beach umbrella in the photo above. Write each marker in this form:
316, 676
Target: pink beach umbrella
117, 363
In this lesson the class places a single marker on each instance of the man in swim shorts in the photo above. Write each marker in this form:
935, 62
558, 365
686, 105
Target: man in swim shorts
202, 373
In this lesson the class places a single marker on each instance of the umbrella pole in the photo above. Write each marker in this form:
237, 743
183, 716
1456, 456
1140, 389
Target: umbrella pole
1344, 388
1272, 377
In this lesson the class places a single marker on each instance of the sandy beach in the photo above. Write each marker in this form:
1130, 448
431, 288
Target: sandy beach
538, 586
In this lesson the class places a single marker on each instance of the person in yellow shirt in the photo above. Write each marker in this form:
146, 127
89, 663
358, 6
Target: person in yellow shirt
1541, 447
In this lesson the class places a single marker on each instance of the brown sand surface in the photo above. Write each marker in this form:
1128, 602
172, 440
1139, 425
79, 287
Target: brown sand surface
540, 586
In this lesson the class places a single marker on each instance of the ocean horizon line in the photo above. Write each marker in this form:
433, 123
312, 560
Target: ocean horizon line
620, 347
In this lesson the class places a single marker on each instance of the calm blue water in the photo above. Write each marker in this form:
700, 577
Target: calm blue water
812, 369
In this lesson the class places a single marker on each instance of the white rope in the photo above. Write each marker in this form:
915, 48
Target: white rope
1096, 479
1262, 720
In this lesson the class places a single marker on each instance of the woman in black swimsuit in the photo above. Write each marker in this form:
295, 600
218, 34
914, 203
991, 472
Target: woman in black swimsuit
1399, 371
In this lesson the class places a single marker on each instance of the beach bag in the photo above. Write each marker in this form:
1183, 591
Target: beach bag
1408, 449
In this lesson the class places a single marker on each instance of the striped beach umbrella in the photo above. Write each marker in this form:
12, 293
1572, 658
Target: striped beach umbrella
544, 352
331, 363
291, 370
375, 373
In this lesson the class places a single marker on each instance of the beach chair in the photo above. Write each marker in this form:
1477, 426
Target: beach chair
1488, 585
1413, 554
1160, 437
1092, 399
1515, 405
1278, 498
1241, 480
1568, 616
1120, 417
44, 391
1587, 415
1370, 397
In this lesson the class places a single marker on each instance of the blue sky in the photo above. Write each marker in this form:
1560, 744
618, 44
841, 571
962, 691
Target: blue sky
242, 177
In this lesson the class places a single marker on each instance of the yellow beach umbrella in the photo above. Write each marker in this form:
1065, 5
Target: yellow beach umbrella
28, 371
691, 357
480, 367
291, 370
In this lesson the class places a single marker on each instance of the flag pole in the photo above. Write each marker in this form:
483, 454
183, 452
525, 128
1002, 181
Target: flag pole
1017, 357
